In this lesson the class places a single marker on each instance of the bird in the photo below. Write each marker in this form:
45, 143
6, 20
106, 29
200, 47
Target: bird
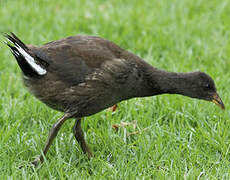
82, 75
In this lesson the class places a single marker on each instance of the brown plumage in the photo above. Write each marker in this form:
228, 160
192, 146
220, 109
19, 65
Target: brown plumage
82, 75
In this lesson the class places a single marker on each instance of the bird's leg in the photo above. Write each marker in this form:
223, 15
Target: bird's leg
53, 133
79, 135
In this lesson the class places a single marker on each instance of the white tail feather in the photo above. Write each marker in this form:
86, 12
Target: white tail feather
30, 60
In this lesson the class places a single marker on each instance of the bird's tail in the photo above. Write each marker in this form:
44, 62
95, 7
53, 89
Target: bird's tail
25, 58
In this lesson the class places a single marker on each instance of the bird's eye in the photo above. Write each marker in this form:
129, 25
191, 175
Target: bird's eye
208, 86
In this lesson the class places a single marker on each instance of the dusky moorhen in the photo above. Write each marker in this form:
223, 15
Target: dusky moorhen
82, 75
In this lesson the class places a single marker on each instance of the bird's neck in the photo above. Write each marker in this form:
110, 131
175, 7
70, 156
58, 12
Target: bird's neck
157, 81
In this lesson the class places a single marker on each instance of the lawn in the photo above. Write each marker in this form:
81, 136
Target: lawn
181, 138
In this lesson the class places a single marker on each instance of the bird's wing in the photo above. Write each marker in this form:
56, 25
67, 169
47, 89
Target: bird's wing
80, 58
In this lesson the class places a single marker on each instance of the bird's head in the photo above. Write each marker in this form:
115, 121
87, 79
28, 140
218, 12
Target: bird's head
203, 87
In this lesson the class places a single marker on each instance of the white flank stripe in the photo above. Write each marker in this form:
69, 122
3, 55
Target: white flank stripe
30, 60
15, 52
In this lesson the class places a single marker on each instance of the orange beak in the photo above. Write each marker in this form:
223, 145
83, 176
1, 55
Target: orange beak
217, 100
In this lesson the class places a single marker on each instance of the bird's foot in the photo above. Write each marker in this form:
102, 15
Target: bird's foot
33, 164
36, 162
90, 155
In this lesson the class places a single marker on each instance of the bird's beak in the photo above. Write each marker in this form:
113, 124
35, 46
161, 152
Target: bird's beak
216, 99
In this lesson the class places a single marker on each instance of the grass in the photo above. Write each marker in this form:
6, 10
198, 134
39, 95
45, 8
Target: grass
184, 139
